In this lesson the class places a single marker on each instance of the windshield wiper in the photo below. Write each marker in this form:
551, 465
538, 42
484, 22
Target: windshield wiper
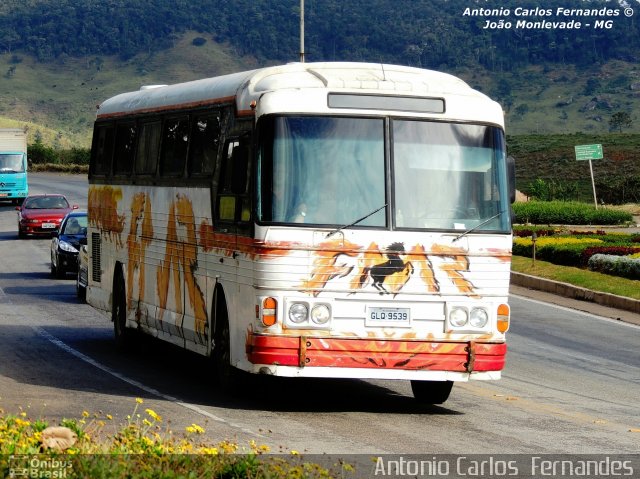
476, 226
337, 230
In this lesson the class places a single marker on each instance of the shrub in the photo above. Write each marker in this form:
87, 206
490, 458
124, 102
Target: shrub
607, 250
566, 251
41, 154
615, 265
524, 231
567, 213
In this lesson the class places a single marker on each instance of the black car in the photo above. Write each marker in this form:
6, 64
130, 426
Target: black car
65, 244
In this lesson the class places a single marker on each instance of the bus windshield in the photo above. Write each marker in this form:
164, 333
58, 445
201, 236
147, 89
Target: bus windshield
11, 163
449, 176
331, 171
322, 170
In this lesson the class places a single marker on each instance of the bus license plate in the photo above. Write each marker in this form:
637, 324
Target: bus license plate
394, 317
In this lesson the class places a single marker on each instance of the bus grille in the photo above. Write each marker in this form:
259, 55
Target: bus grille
96, 259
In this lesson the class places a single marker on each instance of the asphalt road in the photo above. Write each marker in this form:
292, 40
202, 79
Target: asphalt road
571, 384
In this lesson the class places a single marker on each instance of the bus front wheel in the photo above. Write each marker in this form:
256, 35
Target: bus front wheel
431, 392
227, 377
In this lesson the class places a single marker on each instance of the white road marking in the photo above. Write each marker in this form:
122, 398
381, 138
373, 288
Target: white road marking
65, 347
578, 311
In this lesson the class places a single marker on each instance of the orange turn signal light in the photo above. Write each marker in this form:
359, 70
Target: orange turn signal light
269, 310
504, 317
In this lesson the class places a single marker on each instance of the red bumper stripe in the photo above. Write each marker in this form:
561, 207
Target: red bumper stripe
366, 353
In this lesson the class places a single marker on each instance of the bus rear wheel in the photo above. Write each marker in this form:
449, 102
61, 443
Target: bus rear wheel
123, 335
431, 392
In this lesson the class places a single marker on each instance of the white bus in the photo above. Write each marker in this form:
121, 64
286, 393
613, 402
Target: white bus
333, 220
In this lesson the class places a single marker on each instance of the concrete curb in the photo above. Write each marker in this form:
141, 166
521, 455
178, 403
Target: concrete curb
575, 292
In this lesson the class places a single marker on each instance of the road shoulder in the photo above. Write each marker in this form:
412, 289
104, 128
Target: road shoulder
578, 304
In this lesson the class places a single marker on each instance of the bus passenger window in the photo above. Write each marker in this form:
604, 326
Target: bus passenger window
205, 138
102, 149
148, 148
125, 149
175, 138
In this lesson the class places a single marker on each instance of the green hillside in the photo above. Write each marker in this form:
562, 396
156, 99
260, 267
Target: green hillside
60, 58
58, 99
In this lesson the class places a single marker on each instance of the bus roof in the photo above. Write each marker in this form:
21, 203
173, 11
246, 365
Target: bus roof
245, 87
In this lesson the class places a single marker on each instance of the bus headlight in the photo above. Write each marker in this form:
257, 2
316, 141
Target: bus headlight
298, 313
458, 317
478, 318
320, 314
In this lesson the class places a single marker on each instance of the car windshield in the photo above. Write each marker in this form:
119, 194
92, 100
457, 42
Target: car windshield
46, 203
76, 225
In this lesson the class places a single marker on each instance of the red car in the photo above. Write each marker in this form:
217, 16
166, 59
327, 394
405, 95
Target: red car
42, 214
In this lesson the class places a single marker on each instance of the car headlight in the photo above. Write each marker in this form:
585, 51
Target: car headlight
458, 317
478, 318
298, 313
320, 314
64, 246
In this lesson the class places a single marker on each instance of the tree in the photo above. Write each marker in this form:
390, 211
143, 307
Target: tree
620, 120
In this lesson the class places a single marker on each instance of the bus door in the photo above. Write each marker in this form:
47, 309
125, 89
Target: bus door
233, 210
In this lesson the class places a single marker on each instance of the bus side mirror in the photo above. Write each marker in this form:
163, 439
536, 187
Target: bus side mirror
511, 178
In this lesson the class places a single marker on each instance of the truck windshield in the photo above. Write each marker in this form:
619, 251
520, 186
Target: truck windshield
11, 163
331, 171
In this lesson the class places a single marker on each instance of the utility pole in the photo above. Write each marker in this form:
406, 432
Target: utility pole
301, 31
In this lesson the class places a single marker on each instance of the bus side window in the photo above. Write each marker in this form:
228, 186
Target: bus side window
175, 139
125, 149
148, 148
233, 201
205, 139
102, 149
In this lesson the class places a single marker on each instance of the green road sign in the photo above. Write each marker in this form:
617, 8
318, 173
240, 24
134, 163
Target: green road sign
588, 152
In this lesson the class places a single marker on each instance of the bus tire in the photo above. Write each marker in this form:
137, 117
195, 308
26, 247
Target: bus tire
226, 376
431, 392
122, 335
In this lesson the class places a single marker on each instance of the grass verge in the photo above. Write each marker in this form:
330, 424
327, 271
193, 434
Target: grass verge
578, 277
93, 447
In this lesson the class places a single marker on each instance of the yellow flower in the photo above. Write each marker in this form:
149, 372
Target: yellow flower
139, 400
153, 415
194, 428
294, 452
85, 414
209, 450
109, 417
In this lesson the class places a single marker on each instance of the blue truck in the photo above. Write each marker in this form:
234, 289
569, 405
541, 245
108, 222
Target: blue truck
13, 165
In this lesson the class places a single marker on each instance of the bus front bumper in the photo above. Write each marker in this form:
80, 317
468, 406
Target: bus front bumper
398, 355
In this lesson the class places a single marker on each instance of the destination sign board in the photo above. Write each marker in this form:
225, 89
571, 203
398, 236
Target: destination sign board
588, 152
